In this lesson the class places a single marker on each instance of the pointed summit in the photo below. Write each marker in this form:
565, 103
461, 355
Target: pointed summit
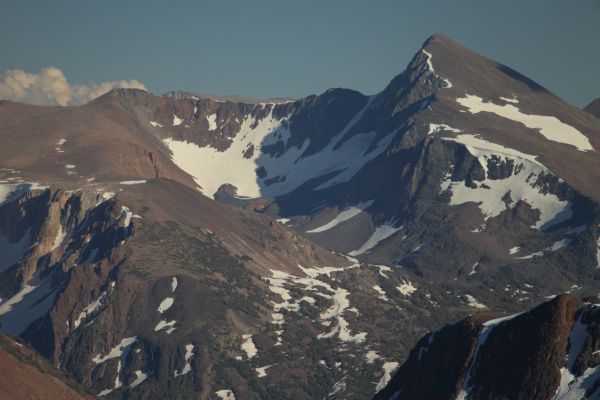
593, 108
466, 68
438, 39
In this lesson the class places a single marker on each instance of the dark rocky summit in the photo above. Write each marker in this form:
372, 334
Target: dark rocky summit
547, 352
593, 108
188, 246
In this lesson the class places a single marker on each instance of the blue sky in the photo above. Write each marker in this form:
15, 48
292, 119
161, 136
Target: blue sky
295, 48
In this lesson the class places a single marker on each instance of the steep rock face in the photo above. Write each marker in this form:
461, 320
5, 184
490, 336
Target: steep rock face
544, 353
460, 168
449, 205
140, 298
60, 232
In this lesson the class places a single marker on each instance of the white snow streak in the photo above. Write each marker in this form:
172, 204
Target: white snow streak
132, 182
189, 353
388, 368
338, 161
140, 377
473, 302
435, 128
116, 351
262, 371
571, 387
487, 329
550, 127
89, 310
430, 66
164, 324
519, 186
248, 346
513, 100
381, 233
212, 122
381, 293
407, 288
165, 305
225, 394
345, 215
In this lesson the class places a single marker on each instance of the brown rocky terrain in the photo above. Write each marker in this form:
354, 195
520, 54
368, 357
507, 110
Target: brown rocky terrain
593, 108
345, 227
27, 375
548, 352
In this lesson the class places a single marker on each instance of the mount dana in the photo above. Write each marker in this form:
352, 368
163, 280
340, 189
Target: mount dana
188, 246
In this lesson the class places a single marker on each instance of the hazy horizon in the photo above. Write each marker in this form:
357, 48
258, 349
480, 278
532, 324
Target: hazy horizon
270, 49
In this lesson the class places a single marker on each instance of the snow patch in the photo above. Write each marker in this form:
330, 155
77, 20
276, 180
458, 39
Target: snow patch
338, 162
338, 297
383, 269
340, 304
371, 356
125, 217
381, 233
155, 124
116, 351
176, 120
140, 377
262, 371
388, 368
473, 302
520, 185
598, 253
165, 305
58, 239
572, 387
212, 122
554, 247
225, 394
248, 346
120, 351
407, 288
132, 182
345, 215
474, 268
548, 126
164, 324
435, 128
485, 332
89, 310
381, 293
513, 100
432, 70
189, 353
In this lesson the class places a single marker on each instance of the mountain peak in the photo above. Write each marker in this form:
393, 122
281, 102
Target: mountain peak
466, 68
437, 38
593, 108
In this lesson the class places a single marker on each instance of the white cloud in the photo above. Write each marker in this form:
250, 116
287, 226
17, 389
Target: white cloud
51, 87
